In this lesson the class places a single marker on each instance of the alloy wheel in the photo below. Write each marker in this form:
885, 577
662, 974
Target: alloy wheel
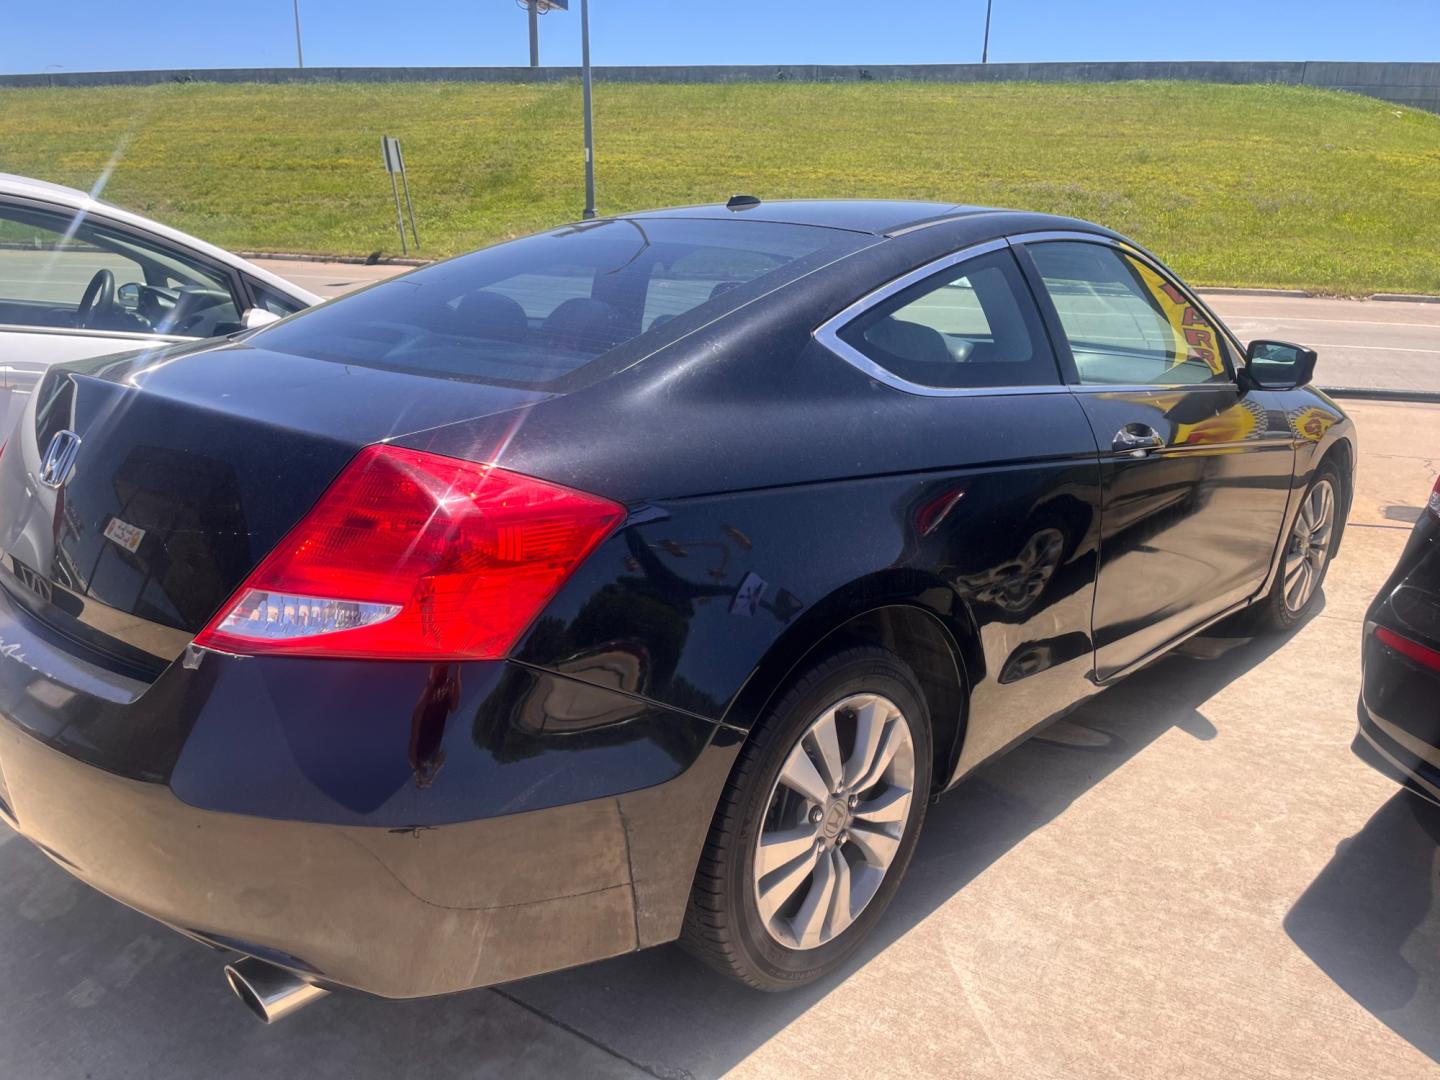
1309, 545
834, 821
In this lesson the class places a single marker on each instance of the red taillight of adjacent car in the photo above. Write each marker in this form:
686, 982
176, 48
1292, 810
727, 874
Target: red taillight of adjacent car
414, 556
1434, 504
1421, 654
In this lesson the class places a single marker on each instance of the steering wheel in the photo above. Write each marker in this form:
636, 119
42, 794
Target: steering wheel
98, 301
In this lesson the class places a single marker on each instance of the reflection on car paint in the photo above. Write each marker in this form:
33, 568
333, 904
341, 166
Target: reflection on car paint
1312, 421
439, 698
1194, 336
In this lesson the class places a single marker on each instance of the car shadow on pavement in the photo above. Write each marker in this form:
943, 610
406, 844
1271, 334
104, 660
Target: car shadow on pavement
94, 988
670, 1014
1371, 920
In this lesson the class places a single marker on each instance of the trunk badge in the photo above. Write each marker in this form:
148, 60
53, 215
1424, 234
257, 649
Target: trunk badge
59, 458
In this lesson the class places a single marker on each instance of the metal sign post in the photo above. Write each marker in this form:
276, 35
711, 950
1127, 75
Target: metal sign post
299, 48
536, 8
395, 164
589, 211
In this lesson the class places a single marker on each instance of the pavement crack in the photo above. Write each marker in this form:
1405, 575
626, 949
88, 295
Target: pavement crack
585, 1037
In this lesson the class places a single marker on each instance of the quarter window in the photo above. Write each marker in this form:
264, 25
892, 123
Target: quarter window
971, 326
267, 299
1126, 324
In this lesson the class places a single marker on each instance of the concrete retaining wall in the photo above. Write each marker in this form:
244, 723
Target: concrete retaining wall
1413, 84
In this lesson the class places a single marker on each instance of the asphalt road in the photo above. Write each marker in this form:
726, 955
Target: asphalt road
1393, 345
1191, 876
1387, 344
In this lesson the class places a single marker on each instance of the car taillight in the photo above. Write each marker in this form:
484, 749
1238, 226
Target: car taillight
1421, 654
410, 555
1434, 504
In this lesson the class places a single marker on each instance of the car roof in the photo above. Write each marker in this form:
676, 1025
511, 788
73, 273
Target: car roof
79, 201
875, 216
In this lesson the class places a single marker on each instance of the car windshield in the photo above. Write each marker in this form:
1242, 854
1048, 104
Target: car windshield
533, 312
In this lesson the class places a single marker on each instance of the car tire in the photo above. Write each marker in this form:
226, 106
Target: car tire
1276, 613
741, 920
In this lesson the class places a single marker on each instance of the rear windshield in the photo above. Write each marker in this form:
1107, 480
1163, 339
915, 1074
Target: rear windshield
533, 312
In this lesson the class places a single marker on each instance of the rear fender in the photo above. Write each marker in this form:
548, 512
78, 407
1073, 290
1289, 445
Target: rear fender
823, 626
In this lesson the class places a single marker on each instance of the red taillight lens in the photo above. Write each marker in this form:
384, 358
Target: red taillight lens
1434, 504
411, 555
1412, 649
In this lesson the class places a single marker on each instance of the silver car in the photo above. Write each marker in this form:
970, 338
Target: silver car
81, 278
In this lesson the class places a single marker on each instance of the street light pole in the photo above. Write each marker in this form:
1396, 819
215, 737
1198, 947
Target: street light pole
533, 6
985, 49
589, 211
299, 51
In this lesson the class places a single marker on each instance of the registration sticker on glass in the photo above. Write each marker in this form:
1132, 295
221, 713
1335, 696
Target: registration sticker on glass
123, 533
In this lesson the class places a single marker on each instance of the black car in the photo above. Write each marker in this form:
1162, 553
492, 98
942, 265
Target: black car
636, 581
1399, 710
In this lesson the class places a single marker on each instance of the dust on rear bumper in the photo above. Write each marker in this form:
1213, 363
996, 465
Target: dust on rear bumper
405, 830
394, 912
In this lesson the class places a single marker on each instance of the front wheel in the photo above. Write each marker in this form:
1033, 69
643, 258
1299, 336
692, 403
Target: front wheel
817, 824
1306, 556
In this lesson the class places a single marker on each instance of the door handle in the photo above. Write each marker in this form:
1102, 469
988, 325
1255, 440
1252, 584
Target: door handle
1137, 440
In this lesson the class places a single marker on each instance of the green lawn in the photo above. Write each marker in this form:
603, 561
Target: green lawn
1233, 185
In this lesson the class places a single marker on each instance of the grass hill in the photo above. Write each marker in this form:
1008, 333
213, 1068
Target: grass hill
1233, 185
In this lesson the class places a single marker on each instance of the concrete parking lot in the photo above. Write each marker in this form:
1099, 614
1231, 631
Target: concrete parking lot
1191, 876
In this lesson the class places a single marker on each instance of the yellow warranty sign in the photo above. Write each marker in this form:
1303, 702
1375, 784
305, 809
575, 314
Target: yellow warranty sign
1195, 338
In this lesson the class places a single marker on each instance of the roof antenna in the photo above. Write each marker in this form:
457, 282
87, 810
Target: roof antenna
742, 202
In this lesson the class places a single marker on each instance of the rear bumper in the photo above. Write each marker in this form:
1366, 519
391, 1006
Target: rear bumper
536, 825
1399, 709
1388, 757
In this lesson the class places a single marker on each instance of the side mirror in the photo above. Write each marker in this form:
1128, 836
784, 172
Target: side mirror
257, 317
1279, 365
128, 294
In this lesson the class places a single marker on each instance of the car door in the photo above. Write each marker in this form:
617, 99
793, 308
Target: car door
52, 261
1008, 516
1195, 473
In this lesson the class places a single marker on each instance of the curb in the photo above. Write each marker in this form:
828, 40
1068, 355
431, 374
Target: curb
1302, 294
1369, 393
1225, 290
1407, 298
352, 260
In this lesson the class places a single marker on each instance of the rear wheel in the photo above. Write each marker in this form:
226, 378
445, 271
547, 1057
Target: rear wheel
817, 824
1306, 557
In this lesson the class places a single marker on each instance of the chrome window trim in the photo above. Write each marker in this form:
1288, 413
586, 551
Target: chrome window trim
1066, 234
828, 333
70, 331
1149, 388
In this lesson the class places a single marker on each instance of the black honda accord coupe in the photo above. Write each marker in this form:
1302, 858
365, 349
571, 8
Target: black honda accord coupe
635, 581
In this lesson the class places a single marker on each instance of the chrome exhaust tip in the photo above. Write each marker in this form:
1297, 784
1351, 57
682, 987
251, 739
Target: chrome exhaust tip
270, 992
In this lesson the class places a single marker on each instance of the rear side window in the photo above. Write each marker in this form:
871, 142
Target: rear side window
534, 312
971, 326
1126, 324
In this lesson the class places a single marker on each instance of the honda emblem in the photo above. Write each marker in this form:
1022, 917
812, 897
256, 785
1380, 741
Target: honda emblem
59, 458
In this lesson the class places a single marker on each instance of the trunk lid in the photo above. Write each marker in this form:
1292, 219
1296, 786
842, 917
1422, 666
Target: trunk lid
189, 465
